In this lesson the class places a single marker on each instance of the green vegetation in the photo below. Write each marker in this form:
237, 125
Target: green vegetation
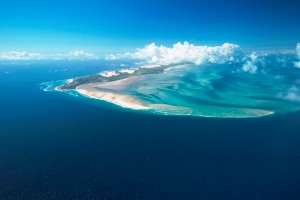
100, 78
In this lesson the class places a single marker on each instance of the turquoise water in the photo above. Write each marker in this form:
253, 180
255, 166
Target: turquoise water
214, 90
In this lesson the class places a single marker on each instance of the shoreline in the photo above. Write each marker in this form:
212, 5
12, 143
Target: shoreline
125, 101
115, 92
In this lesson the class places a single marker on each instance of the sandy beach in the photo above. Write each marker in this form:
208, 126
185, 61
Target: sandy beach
98, 91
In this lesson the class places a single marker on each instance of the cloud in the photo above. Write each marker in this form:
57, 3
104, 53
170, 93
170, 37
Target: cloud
292, 95
19, 55
297, 64
81, 54
23, 55
180, 53
252, 62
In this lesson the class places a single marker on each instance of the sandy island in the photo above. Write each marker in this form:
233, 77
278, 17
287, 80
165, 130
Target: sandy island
99, 91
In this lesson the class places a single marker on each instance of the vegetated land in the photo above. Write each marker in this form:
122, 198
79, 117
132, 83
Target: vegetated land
120, 75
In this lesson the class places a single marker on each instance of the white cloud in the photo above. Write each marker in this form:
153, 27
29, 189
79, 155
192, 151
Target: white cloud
81, 54
292, 95
19, 55
250, 64
253, 62
297, 64
181, 53
23, 55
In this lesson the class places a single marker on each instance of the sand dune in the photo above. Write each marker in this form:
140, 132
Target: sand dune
98, 91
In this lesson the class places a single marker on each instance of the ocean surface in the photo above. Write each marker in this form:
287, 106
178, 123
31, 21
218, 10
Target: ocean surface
59, 146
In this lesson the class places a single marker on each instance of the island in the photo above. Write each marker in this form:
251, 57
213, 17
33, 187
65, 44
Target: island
113, 86
183, 89
109, 76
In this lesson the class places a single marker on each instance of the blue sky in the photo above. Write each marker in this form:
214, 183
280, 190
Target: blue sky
119, 26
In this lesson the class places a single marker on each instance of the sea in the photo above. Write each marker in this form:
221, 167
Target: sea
66, 147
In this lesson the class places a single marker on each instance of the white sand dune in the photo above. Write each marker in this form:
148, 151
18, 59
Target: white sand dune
94, 91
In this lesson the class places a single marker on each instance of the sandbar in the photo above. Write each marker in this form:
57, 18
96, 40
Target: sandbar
99, 91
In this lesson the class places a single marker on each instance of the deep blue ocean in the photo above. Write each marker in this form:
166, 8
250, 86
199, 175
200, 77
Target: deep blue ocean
56, 146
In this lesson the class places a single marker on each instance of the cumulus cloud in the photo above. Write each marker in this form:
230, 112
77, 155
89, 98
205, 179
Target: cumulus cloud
19, 55
23, 55
297, 64
181, 53
252, 62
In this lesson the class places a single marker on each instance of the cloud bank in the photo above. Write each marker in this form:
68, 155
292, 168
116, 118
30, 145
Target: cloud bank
19, 55
297, 64
181, 53
23, 55
81, 55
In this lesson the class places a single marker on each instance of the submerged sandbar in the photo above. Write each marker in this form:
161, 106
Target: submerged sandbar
186, 90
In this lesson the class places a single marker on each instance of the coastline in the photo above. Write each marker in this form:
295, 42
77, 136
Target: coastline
97, 91
118, 92
110, 92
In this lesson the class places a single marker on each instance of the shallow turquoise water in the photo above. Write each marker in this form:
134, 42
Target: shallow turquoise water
214, 90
